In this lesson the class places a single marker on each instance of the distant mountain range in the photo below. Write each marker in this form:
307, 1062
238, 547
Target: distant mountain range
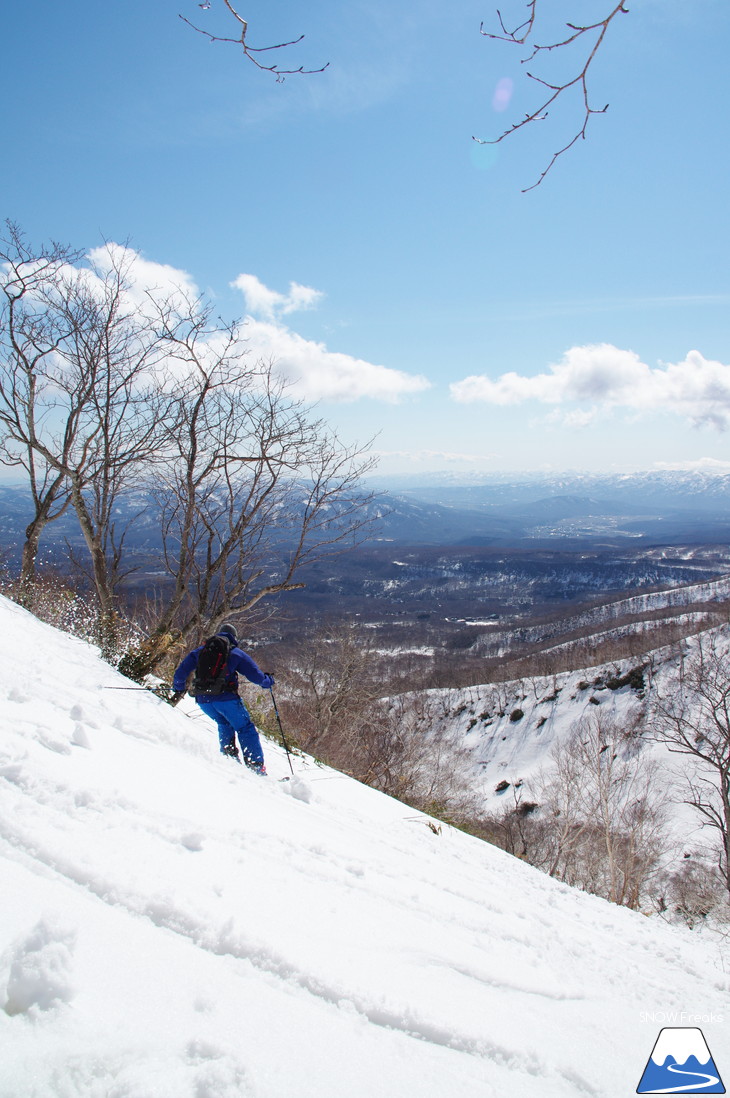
650, 489
567, 512
650, 482
561, 509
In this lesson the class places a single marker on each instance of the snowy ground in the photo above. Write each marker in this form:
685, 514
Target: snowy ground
512, 727
172, 926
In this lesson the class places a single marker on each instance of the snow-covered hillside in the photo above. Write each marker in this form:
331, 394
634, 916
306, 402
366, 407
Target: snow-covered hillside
512, 727
173, 926
639, 615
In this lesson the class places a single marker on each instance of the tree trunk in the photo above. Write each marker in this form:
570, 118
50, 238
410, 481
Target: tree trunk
29, 557
106, 620
33, 532
725, 796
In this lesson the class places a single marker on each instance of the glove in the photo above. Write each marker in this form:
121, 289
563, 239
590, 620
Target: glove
166, 692
176, 696
272, 680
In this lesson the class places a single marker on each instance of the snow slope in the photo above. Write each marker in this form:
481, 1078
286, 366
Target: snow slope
172, 926
512, 727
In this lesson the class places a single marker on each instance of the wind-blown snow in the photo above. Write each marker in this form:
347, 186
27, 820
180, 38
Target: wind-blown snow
173, 926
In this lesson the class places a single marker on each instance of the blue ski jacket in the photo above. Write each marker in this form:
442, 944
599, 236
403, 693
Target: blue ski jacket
238, 663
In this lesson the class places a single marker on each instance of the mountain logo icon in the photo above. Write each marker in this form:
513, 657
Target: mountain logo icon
680, 1063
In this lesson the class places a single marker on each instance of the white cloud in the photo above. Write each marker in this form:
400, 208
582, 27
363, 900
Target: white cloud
699, 465
318, 373
315, 372
574, 417
261, 301
144, 276
608, 377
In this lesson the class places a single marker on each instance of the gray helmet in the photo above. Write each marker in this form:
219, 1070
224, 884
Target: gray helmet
230, 629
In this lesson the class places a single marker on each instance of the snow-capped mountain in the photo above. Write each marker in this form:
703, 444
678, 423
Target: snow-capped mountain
173, 926
659, 486
662, 505
556, 511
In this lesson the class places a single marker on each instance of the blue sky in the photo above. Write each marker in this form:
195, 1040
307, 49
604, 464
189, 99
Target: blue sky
393, 266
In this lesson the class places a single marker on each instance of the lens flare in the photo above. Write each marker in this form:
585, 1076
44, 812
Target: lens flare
502, 94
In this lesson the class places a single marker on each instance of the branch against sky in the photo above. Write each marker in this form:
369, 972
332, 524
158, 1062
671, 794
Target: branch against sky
252, 53
591, 35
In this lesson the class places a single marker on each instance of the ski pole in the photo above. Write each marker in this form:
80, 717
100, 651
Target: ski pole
172, 698
281, 730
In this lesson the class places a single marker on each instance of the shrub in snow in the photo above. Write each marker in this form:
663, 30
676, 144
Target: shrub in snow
55, 599
633, 678
695, 894
600, 821
35, 969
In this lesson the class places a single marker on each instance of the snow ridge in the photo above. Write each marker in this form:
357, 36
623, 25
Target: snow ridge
175, 927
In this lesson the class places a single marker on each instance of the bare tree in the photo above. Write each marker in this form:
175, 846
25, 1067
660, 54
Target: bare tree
403, 745
252, 53
113, 362
334, 682
80, 405
694, 720
253, 488
30, 335
694, 893
607, 807
592, 34
410, 750
106, 391
568, 805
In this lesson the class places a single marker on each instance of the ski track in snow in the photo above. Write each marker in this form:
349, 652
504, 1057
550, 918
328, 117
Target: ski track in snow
173, 927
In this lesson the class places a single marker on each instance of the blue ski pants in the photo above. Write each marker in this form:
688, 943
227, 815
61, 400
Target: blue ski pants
232, 717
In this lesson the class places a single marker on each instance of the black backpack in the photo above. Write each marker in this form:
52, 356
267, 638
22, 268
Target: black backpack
211, 675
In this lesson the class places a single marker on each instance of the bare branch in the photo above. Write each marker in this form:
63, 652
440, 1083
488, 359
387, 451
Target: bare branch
694, 720
514, 35
519, 36
251, 52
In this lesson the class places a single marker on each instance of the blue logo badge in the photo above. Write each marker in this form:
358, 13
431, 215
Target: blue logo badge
680, 1063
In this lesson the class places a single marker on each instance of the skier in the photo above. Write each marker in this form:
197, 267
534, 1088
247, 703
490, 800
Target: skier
217, 664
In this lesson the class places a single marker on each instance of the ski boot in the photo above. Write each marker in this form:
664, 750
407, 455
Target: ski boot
256, 765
